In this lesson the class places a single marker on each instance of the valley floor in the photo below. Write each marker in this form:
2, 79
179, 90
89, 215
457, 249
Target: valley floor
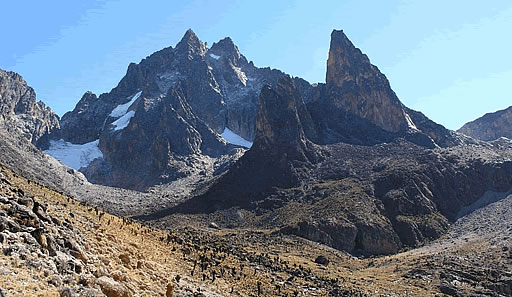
85, 252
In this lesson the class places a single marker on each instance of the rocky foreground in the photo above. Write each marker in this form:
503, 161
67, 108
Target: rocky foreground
51, 245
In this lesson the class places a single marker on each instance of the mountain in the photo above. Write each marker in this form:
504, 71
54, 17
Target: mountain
357, 105
176, 109
490, 126
170, 114
21, 113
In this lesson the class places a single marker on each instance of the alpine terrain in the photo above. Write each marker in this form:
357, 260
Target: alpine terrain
202, 174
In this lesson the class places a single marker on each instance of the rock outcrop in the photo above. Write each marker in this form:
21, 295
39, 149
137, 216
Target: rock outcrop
357, 105
491, 126
21, 113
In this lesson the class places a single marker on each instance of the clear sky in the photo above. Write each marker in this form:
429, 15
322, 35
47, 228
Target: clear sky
449, 59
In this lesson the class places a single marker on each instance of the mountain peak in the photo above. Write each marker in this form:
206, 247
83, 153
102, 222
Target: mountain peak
359, 87
189, 34
226, 47
191, 44
344, 58
279, 125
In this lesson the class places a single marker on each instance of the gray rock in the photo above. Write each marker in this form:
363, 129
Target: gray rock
56, 281
67, 292
322, 260
111, 288
490, 126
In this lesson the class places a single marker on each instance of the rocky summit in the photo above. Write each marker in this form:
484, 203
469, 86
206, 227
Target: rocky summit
21, 114
490, 126
355, 85
201, 174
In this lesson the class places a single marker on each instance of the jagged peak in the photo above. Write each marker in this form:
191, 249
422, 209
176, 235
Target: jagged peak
338, 37
225, 44
88, 94
191, 43
343, 55
279, 123
353, 82
226, 47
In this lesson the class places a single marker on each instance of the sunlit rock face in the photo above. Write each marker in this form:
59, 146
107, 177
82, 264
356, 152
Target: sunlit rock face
356, 85
491, 126
20, 111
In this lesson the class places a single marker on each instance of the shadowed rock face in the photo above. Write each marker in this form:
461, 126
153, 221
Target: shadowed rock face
280, 151
20, 112
355, 85
491, 126
282, 122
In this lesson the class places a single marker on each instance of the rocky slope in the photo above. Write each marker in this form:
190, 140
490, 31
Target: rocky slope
21, 113
491, 126
51, 245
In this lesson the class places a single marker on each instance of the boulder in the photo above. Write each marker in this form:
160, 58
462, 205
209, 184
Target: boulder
111, 288
322, 260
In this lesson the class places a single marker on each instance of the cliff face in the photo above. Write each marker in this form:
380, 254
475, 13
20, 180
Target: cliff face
21, 113
491, 126
357, 105
355, 85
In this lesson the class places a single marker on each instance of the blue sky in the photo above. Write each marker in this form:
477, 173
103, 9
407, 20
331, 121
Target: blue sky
448, 59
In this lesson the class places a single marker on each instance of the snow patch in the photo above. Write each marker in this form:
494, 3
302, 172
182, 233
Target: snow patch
233, 138
214, 56
75, 156
123, 121
121, 110
410, 123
